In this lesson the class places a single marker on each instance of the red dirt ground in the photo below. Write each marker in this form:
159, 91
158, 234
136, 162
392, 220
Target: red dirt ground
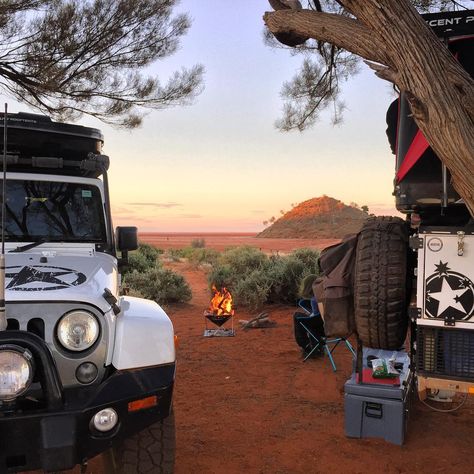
249, 404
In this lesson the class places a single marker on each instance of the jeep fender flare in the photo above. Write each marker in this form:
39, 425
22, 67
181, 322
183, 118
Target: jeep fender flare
144, 335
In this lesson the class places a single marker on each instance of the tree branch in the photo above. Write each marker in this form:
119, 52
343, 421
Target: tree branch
384, 72
341, 31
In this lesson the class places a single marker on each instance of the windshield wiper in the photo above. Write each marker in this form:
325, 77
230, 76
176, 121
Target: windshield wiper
24, 248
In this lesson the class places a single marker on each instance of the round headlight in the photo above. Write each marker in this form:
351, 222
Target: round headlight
16, 371
78, 330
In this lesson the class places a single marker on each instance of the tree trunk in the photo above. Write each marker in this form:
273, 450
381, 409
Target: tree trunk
407, 53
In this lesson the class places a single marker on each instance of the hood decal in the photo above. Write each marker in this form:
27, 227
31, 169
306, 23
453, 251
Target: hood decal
42, 278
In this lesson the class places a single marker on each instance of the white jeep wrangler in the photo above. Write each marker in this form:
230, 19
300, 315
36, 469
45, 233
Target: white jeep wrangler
83, 369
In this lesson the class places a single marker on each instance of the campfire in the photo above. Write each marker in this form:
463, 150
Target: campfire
221, 302
219, 312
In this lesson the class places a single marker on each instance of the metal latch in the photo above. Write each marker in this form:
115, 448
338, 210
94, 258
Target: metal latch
112, 300
415, 242
461, 235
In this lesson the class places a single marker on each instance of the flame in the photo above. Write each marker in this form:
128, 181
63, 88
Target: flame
221, 302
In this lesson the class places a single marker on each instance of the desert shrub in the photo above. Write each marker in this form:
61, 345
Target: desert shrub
135, 293
255, 279
243, 260
187, 252
200, 256
160, 284
175, 254
198, 243
196, 256
151, 253
142, 259
221, 276
136, 262
252, 290
309, 258
234, 265
285, 274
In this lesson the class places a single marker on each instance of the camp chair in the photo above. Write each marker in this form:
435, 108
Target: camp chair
309, 333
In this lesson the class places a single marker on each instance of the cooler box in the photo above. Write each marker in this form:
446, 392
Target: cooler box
379, 409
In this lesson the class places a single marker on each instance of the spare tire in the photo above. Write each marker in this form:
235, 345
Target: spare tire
380, 285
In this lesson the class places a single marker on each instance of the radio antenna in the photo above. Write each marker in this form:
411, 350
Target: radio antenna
3, 315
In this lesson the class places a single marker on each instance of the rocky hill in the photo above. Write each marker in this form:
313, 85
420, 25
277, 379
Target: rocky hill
323, 217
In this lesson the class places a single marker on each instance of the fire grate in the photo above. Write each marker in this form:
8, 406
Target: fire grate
220, 313
445, 352
219, 321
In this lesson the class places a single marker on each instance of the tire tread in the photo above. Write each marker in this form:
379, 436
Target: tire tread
380, 292
150, 451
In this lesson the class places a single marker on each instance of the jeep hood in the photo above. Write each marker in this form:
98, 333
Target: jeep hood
76, 275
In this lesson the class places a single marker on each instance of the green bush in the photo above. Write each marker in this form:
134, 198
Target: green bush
196, 256
255, 279
243, 260
252, 290
203, 255
285, 274
309, 258
142, 259
175, 254
198, 243
151, 253
160, 284
221, 276
136, 262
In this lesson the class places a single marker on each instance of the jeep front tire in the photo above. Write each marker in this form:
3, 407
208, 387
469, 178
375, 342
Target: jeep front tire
150, 451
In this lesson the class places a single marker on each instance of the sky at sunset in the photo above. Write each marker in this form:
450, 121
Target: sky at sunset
220, 165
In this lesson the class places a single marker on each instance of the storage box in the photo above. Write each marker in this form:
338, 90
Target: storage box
379, 410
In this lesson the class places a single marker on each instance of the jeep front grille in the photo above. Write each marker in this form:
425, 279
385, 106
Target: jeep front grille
34, 325
41, 318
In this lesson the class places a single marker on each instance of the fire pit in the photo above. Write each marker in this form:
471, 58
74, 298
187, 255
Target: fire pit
219, 313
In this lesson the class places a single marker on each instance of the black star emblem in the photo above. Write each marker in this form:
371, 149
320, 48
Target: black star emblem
29, 275
449, 294
442, 268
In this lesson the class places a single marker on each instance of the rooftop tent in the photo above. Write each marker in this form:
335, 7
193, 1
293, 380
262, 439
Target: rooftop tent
37, 144
419, 177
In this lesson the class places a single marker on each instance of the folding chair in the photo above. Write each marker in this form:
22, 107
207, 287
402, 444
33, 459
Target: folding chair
313, 338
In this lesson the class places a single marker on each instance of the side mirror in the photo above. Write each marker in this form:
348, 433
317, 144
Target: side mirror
127, 239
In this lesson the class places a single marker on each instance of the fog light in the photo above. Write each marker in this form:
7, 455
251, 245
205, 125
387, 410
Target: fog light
105, 420
16, 371
86, 372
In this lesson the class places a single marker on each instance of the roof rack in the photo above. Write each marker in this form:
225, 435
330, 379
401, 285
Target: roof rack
36, 144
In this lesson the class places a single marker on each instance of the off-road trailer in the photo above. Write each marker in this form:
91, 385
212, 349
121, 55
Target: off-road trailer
83, 369
430, 285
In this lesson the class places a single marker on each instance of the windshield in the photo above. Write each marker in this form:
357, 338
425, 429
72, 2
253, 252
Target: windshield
53, 211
